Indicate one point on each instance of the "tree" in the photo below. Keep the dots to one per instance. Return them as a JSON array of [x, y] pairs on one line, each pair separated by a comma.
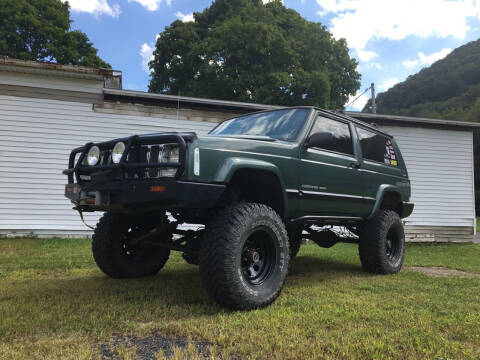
[[447, 89], [39, 30], [244, 50]]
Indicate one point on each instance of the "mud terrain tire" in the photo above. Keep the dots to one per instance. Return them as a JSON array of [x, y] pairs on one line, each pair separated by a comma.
[[382, 243], [244, 256], [114, 257]]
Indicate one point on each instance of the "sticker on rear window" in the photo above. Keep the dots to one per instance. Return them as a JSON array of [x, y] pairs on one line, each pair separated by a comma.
[[389, 156]]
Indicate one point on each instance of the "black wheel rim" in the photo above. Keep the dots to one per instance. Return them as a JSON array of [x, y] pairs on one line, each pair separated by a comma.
[[258, 257], [392, 244]]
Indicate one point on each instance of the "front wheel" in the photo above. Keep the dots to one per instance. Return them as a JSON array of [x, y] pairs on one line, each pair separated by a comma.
[[114, 254], [382, 243], [244, 256], [294, 240]]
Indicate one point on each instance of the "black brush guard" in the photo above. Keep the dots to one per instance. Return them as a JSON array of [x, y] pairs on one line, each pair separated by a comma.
[[134, 145], [134, 183]]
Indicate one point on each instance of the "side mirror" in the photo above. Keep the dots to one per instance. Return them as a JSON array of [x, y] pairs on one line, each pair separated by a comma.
[[321, 140]]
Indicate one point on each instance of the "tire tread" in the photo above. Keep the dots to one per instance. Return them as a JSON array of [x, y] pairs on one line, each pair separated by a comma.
[[372, 253], [218, 243]]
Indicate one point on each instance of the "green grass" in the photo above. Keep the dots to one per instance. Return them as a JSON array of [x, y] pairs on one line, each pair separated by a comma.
[[55, 303]]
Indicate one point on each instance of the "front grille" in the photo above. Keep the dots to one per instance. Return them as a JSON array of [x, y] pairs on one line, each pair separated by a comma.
[[147, 154]]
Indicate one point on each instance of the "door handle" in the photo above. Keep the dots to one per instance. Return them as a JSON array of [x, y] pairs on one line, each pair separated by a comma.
[[355, 165]]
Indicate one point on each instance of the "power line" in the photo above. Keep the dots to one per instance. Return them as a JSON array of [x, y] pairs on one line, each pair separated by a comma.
[[353, 101]]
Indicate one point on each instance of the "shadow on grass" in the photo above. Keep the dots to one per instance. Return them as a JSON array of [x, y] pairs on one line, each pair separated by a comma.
[[179, 287], [96, 303], [307, 265], [91, 293]]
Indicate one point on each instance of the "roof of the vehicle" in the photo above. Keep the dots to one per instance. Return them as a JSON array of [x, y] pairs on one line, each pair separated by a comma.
[[327, 113], [352, 119]]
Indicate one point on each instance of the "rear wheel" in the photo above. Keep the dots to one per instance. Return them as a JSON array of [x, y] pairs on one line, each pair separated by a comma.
[[114, 254], [382, 243], [244, 256]]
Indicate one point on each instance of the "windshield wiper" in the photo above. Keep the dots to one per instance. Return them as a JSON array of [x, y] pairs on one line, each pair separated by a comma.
[[249, 137]]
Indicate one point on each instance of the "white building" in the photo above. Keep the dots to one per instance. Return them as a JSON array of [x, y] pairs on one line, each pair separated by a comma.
[[46, 110]]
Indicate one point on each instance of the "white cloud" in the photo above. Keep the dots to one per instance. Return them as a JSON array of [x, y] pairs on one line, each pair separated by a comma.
[[95, 7], [267, 1], [184, 17], [146, 52], [366, 55], [369, 65], [427, 59], [376, 65], [360, 21], [387, 84], [151, 5]]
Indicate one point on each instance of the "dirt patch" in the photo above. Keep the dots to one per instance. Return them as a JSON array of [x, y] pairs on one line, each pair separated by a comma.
[[442, 272], [148, 347]]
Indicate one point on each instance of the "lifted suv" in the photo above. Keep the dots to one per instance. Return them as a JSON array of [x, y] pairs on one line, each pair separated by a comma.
[[259, 184]]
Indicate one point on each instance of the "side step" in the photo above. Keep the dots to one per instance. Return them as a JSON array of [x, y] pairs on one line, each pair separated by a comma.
[[327, 220]]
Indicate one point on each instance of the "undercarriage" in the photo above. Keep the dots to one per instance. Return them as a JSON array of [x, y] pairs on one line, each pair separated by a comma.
[[169, 234]]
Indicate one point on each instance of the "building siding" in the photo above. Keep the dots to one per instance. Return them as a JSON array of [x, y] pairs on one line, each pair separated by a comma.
[[37, 135], [439, 164]]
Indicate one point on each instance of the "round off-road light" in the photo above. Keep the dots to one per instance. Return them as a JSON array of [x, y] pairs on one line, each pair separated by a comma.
[[117, 152], [93, 155]]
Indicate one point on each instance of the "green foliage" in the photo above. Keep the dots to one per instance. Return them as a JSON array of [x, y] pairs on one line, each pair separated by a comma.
[[449, 89], [40, 30], [244, 50]]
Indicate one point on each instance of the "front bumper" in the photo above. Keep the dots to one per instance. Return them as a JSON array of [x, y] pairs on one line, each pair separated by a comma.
[[145, 194]]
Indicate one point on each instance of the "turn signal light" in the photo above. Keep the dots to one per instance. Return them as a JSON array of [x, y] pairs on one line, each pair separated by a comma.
[[157, 188]]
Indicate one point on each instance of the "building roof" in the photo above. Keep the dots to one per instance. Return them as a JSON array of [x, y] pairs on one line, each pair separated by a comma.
[[113, 83], [111, 78], [173, 100], [142, 96], [407, 120]]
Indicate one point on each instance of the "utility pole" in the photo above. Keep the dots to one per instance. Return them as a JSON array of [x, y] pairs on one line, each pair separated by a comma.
[[374, 106]]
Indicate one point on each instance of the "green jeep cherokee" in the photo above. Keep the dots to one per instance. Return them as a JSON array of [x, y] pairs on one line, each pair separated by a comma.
[[258, 184]]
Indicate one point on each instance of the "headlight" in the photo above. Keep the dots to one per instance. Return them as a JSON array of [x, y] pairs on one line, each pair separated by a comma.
[[93, 155], [169, 154], [117, 152]]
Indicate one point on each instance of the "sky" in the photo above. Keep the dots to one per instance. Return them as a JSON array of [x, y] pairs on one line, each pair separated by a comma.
[[391, 39]]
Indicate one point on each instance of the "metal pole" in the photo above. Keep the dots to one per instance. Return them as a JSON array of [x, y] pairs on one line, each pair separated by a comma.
[[374, 106]]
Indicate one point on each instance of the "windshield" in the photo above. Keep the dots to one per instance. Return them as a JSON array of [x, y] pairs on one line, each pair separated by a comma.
[[280, 124]]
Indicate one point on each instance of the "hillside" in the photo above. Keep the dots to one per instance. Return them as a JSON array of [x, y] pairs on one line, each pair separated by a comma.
[[448, 89]]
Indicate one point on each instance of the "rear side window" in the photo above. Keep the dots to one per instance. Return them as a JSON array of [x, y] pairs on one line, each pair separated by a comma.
[[377, 147], [340, 131]]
